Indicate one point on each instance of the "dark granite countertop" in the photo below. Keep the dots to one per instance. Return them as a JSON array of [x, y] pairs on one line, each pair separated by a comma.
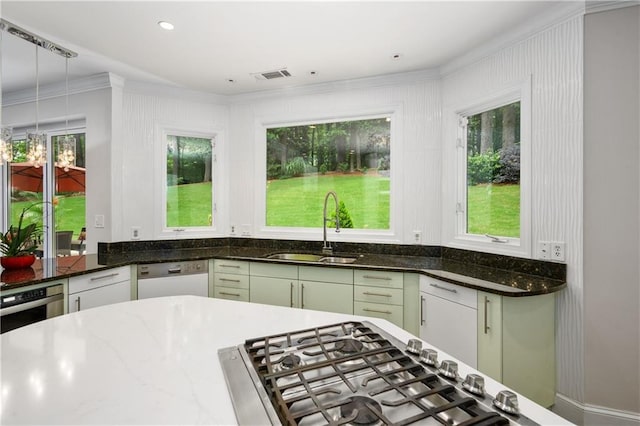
[[495, 274]]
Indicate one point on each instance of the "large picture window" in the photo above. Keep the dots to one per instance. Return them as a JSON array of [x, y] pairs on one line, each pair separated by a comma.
[[351, 158], [189, 178]]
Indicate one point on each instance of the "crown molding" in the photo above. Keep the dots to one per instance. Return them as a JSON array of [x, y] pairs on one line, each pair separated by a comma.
[[80, 85], [155, 89], [561, 11], [603, 6], [341, 85]]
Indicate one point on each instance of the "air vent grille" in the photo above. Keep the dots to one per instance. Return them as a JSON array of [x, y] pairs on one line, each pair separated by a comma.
[[271, 75]]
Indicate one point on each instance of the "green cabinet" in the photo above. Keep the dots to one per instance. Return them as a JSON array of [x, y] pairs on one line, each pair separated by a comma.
[[231, 279], [307, 287]]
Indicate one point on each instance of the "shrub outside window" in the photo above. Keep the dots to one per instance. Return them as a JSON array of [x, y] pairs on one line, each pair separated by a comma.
[[352, 158]]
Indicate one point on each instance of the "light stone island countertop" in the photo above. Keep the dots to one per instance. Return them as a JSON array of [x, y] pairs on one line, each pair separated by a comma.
[[151, 361]]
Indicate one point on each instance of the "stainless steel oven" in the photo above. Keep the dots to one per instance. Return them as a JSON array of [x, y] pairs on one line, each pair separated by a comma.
[[30, 306]]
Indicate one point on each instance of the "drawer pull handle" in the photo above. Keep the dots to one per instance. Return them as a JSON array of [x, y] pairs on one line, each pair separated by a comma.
[[452, 290], [377, 311], [486, 308], [224, 293], [78, 303], [422, 300], [301, 295], [291, 296], [230, 266], [368, 293], [115, 274], [229, 280], [376, 277]]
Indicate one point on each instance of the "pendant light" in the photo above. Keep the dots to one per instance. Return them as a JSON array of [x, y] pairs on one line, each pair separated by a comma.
[[6, 145], [67, 143], [36, 140]]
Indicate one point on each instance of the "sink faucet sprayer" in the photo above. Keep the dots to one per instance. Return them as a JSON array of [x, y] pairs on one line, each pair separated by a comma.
[[326, 247]]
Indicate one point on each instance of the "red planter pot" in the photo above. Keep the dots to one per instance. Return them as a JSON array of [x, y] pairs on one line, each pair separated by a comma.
[[17, 262]]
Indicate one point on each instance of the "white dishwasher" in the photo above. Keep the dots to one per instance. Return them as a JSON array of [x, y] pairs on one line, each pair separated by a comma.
[[173, 279]]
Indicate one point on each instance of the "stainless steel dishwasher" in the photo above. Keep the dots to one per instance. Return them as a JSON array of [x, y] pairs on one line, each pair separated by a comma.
[[173, 279]]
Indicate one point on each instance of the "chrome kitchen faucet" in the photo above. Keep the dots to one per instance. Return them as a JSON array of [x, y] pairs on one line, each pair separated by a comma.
[[326, 247]]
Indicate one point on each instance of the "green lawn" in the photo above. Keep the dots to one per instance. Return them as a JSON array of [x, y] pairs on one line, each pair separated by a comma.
[[298, 202], [494, 209], [70, 213], [189, 205]]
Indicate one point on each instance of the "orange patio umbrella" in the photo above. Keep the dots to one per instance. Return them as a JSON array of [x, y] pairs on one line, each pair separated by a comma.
[[25, 177]]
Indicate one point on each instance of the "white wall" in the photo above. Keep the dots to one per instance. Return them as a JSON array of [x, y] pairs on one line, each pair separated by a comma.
[[612, 210], [145, 111], [553, 60]]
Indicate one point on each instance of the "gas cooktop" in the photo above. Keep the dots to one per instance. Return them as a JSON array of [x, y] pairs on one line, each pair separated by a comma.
[[355, 373]]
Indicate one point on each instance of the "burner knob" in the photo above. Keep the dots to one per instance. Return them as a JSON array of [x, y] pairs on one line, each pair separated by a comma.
[[448, 369], [429, 357], [474, 383], [507, 401], [414, 346]]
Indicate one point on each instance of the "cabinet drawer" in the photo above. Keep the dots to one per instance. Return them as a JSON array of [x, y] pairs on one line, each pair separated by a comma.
[[378, 278], [386, 296], [232, 293], [231, 280], [99, 279], [272, 270], [231, 266], [326, 275], [391, 313], [454, 293]]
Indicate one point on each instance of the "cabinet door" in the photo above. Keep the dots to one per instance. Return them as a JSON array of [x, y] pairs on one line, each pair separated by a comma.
[[115, 293], [490, 335], [327, 297], [450, 327], [274, 291]]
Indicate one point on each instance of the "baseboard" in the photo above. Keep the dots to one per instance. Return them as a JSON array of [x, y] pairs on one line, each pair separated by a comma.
[[593, 415]]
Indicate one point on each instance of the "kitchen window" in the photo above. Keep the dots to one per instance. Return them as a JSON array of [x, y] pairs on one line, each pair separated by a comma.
[[493, 156], [189, 195], [350, 157]]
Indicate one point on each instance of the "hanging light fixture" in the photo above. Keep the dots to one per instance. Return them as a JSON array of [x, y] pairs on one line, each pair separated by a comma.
[[6, 145], [67, 143], [36, 140]]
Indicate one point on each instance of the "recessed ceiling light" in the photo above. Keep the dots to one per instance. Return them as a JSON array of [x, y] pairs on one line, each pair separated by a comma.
[[230, 80], [313, 73], [166, 25], [396, 56]]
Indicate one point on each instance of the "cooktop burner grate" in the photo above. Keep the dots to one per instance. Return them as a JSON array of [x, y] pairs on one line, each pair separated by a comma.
[[349, 373]]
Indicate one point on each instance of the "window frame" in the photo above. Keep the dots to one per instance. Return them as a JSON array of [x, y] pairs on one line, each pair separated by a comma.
[[459, 237], [162, 230], [394, 112]]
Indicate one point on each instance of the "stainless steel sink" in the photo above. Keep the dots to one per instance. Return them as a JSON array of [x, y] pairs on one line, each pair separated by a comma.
[[336, 259], [305, 257], [299, 257]]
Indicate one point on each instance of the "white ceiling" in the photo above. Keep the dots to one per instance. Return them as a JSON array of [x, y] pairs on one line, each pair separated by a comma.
[[216, 41]]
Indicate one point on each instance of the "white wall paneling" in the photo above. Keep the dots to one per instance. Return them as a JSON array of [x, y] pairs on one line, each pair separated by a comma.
[[553, 60]]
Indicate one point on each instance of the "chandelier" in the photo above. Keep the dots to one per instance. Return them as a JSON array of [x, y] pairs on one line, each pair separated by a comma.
[[67, 143], [36, 140], [6, 146]]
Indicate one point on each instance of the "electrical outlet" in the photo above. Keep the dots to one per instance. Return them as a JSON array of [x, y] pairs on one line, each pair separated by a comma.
[[557, 251], [98, 221], [233, 230], [417, 237], [543, 250], [245, 230], [135, 232]]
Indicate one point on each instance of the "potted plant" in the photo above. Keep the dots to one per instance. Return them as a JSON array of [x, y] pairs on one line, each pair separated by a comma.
[[18, 244]]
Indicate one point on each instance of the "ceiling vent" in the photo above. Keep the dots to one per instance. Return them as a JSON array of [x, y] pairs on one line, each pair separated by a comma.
[[272, 75]]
